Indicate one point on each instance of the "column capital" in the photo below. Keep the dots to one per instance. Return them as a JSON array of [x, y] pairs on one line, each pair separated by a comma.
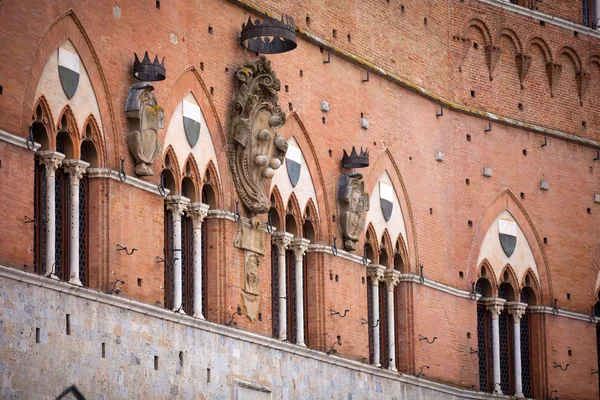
[[282, 240], [299, 246], [494, 306], [198, 212], [391, 278], [75, 168], [177, 204], [375, 272], [51, 160], [516, 309]]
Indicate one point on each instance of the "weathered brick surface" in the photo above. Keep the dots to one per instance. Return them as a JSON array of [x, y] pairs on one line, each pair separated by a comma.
[[403, 137]]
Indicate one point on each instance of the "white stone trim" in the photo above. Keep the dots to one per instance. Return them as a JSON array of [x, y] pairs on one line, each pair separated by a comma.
[[561, 313], [17, 140], [131, 180], [230, 216], [563, 23], [437, 286], [167, 315], [323, 248]]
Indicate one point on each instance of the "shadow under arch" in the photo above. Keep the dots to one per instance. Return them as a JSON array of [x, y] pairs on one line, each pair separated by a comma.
[[506, 201], [69, 27]]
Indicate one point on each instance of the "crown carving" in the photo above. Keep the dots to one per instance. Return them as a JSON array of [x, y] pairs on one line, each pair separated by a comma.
[[148, 71], [270, 36], [355, 160]]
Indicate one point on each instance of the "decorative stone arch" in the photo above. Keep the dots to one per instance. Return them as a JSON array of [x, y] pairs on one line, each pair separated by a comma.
[[513, 280], [514, 38], [373, 242], [174, 168], [541, 44], [211, 176], [191, 170], [481, 26], [190, 81], [506, 201], [71, 128], [68, 27], [43, 115], [276, 198], [296, 129], [96, 138], [386, 244], [484, 266], [571, 55], [400, 250], [534, 284], [386, 163], [592, 59], [311, 214], [295, 212]]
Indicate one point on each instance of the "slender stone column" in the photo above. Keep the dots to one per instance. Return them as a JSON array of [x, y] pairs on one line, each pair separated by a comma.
[[51, 160], [517, 310], [391, 280], [282, 240], [177, 205], [495, 307], [75, 168], [198, 212], [375, 274], [299, 246]]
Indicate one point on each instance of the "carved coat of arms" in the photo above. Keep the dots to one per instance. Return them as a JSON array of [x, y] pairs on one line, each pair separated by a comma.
[[255, 148], [353, 203]]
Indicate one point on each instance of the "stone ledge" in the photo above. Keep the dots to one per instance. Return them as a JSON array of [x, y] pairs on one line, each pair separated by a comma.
[[17, 140], [130, 180]]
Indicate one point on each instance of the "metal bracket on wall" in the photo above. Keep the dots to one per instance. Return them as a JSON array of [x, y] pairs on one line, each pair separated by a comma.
[[441, 113], [30, 142], [333, 312], [368, 77], [237, 312], [161, 185], [332, 350], [555, 307], [328, 58], [28, 220], [121, 248], [269, 223], [334, 249], [365, 322], [421, 277], [557, 365], [421, 337], [473, 294], [473, 351], [545, 142], [597, 156], [421, 371], [489, 128], [122, 175], [236, 216]]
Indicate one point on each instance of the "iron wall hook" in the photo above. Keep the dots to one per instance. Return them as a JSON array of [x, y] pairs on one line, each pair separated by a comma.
[[122, 175], [236, 216], [368, 77], [161, 185], [332, 350], [421, 337], [557, 365], [328, 58], [366, 322], [365, 260], [441, 113], [555, 307], [269, 223], [115, 289], [421, 371], [473, 294], [237, 312], [30, 142], [473, 351], [545, 142], [28, 220], [334, 248], [333, 312], [422, 277], [597, 156], [121, 248], [489, 128]]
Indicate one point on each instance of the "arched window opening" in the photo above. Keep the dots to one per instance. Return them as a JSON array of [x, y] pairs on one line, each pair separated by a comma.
[[483, 288], [187, 267], [383, 323], [291, 295], [169, 182], [188, 189], [308, 232], [64, 144], [383, 257], [89, 153], [290, 224], [39, 255], [208, 196], [398, 263], [62, 204]]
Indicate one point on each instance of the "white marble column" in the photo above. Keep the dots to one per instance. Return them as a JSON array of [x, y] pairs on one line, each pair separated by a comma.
[[517, 310], [177, 205], [391, 280], [595, 14], [375, 275], [495, 307], [299, 246], [198, 212], [51, 160], [75, 168], [282, 240]]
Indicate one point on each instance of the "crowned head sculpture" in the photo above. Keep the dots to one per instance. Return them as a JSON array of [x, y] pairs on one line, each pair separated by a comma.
[[255, 148], [270, 36]]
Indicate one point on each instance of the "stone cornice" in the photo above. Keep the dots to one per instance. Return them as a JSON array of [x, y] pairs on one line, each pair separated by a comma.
[[17, 140], [167, 315], [540, 16], [323, 248], [370, 66], [131, 180], [230, 216]]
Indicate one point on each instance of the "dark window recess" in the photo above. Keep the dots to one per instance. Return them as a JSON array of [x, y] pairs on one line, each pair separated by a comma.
[[526, 352], [305, 298], [158, 4], [484, 343], [383, 326], [187, 268], [61, 260], [597, 346], [506, 354], [370, 319], [1, 89], [291, 296], [83, 236], [204, 239], [275, 287], [39, 242], [168, 256], [588, 13]]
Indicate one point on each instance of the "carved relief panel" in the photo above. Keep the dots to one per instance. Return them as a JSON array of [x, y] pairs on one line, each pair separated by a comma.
[[353, 203]]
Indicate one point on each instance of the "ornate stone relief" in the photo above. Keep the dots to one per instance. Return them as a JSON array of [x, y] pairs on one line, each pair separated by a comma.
[[250, 295], [145, 118], [353, 203], [255, 148]]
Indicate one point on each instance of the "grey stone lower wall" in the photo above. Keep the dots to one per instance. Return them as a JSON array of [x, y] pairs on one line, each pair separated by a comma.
[[195, 359]]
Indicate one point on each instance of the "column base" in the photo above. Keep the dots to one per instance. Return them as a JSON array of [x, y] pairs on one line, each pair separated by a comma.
[[75, 282], [377, 365], [519, 395], [52, 275], [301, 344], [392, 369], [199, 316], [179, 311]]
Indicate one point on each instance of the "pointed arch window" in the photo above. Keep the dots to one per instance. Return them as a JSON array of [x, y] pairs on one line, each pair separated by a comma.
[[507, 383]]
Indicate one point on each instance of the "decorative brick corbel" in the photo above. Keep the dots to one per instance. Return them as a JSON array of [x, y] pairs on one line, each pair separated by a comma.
[[583, 82], [492, 55], [523, 63], [553, 70]]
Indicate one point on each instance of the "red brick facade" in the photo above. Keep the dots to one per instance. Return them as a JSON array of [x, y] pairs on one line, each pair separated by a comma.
[[446, 50]]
